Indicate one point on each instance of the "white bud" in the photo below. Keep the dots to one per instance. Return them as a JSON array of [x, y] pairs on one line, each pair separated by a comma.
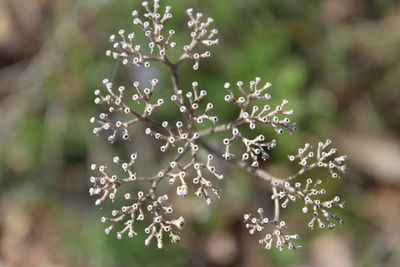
[[182, 190]]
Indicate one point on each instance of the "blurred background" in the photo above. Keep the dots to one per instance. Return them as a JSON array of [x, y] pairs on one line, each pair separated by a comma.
[[336, 61]]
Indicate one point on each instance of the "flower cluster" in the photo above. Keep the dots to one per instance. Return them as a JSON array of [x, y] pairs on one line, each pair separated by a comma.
[[131, 53], [152, 24], [199, 34], [106, 186], [310, 193], [116, 102], [253, 114], [323, 159], [276, 237], [189, 171]]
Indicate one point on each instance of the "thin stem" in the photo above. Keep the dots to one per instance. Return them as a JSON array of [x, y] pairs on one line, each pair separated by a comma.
[[221, 128], [175, 82], [256, 172], [156, 179], [276, 204]]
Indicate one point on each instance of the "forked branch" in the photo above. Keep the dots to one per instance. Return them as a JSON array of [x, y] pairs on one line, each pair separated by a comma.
[[188, 171]]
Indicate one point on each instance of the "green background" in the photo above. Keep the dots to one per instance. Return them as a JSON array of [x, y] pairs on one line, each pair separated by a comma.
[[336, 61]]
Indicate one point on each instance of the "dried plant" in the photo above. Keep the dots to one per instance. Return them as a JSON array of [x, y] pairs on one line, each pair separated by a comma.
[[188, 171]]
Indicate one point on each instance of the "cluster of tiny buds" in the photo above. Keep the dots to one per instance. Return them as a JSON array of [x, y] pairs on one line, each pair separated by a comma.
[[320, 209], [181, 138], [277, 237], [200, 35], [252, 114], [194, 97], [310, 193], [116, 102], [255, 147], [106, 185], [183, 171], [157, 207], [153, 26], [179, 135], [320, 158], [204, 185]]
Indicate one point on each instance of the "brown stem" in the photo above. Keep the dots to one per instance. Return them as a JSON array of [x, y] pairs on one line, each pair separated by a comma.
[[175, 82], [221, 128], [256, 172], [178, 157], [147, 119], [276, 204]]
